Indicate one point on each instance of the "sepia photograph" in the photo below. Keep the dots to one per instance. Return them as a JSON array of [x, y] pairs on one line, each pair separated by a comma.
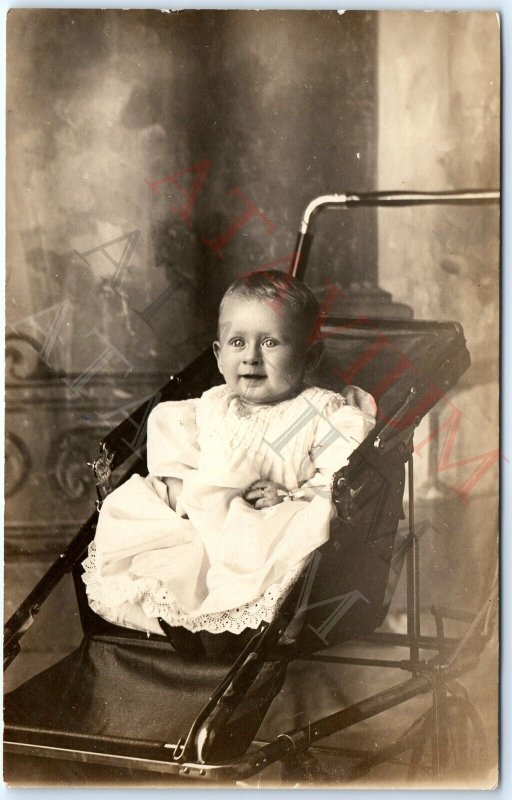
[[252, 385]]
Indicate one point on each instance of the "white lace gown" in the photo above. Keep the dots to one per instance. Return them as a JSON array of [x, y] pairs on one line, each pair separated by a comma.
[[216, 563]]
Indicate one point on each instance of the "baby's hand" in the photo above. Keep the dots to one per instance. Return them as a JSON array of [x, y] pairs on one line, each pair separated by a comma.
[[358, 398], [263, 494]]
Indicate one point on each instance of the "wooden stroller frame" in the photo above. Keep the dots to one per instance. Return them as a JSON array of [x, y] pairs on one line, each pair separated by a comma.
[[452, 657]]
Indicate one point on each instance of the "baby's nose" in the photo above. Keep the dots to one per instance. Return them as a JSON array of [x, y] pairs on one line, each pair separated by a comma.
[[252, 354]]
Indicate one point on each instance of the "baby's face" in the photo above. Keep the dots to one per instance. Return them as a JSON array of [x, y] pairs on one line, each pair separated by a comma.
[[261, 351]]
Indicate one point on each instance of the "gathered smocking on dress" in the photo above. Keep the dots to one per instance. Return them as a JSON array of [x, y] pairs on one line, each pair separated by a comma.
[[216, 563]]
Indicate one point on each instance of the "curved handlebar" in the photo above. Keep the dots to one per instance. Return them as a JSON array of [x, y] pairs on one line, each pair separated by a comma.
[[372, 199]]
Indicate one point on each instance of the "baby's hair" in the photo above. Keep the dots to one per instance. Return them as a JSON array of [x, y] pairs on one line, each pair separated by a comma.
[[283, 291]]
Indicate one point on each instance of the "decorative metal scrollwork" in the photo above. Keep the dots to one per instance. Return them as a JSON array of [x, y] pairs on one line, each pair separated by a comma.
[[17, 463], [69, 454], [23, 361], [343, 495], [102, 468]]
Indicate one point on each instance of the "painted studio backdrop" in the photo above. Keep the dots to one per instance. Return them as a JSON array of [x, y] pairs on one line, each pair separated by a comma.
[[152, 157]]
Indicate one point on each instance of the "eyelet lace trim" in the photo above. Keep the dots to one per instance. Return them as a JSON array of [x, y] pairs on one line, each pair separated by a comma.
[[108, 593]]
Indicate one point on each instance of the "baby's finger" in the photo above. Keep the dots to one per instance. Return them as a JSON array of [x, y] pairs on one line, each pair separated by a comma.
[[263, 502], [253, 494], [261, 484]]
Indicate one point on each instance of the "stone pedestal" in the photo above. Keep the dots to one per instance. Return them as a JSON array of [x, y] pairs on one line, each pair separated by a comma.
[[367, 300]]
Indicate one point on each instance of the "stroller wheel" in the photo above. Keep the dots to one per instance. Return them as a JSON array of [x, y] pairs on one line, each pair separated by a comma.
[[451, 745], [302, 769]]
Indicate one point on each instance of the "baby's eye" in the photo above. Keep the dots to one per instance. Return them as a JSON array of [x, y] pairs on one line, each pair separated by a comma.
[[270, 342], [237, 342]]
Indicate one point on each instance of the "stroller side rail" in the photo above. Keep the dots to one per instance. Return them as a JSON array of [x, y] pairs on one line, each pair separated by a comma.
[[130, 435], [23, 618]]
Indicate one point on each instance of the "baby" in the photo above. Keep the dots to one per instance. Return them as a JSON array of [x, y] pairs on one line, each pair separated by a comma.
[[238, 491]]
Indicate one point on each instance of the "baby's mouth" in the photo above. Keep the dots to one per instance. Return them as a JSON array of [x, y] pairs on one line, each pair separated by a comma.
[[252, 377]]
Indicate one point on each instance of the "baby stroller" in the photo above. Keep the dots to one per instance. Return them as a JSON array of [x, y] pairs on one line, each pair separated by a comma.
[[127, 703]]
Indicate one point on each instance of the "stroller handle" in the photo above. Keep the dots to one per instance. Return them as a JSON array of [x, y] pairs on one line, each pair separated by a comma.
[[370, 199]]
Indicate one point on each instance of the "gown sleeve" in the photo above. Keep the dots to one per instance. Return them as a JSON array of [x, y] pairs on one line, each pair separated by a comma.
[[172, 448], [340, 430]]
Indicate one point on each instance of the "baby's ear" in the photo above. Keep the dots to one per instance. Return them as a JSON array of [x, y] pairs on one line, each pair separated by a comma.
[[216, 350], [314, 355]]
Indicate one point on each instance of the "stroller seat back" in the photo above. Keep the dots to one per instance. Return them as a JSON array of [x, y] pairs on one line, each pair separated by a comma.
[[407, 367]]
